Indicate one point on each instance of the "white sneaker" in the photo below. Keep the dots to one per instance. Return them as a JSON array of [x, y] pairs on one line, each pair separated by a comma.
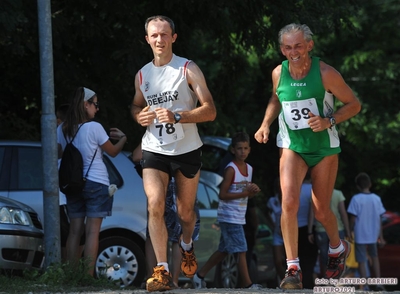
[[255, 287], [198, 283]]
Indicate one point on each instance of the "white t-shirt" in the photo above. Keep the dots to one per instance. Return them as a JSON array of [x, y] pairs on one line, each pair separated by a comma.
[[89, 139], [368, 209]]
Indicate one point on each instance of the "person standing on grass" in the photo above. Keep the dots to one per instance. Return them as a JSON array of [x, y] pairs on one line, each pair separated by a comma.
[[61, 114], [87, 209]]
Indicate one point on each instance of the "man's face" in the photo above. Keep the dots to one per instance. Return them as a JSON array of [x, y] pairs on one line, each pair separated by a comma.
[[295, 47], [159, 36]]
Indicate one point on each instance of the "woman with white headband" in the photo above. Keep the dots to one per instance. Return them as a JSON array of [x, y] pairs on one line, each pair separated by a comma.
[[87, 209]]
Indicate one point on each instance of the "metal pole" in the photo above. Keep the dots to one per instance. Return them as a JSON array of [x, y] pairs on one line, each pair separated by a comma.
[[51, 206]]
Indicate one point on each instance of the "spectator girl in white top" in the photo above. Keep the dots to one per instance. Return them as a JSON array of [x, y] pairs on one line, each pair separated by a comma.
[[94, 203]]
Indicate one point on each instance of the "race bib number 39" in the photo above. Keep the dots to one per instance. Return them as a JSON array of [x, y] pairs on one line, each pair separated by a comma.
[[296, 113], [166, 133]]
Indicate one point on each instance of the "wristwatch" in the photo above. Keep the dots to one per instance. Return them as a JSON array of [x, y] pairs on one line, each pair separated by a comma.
[[177, 117], [332, 120]]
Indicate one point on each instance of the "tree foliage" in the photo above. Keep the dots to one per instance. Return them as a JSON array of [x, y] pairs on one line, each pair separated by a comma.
[[101, 45]]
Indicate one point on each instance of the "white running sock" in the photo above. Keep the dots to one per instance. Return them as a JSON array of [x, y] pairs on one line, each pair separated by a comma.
[[165, 264], [338, 249], [291, 262], [186, 247]]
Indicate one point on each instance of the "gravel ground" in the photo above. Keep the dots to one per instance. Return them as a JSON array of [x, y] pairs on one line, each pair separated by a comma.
[[231, 291]]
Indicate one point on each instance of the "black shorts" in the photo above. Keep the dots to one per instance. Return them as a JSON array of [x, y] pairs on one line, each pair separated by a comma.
[[189, 163]]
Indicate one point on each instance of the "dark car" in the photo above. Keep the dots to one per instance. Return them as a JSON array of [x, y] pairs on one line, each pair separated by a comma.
[[21, 237], [389, 255]]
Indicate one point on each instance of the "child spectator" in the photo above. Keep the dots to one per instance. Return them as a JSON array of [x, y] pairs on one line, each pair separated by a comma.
[[366, 211], [86, 210], [235, 190], [61, 114]]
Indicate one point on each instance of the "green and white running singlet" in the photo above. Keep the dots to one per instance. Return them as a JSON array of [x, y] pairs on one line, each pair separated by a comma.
[[298, 98]]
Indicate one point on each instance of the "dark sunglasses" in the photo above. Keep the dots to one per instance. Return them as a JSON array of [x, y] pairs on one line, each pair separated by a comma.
[[96, 104]]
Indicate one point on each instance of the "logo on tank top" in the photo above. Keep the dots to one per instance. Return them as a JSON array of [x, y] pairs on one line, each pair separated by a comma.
[[298, 93], [146, 86], [163, 97], [298, 84]]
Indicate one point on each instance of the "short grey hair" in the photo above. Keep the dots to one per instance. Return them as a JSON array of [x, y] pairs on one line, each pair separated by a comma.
[[294, 28]]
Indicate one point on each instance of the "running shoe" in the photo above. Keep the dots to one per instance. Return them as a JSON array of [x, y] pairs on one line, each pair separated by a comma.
[[255, 287], [293, 278], [198, 283], [188, 262], [337, 262], [379, 288], [161, 280]]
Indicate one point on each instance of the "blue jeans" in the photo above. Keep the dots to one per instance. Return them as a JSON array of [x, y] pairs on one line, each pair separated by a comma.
[[93, 202], [232, 238]]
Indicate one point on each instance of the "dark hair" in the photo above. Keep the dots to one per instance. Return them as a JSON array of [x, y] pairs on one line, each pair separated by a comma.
[[76, 113], [162, 18], [62, 111], [363, 181], [240, 137]]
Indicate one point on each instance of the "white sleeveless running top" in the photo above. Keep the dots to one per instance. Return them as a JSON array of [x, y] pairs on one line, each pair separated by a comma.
[[166, 86]]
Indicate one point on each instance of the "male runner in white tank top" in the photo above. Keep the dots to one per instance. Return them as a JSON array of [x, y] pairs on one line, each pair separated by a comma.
[[168, 90]]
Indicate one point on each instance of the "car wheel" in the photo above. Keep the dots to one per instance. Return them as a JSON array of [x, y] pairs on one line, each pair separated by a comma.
[[120, 260], [227, 272]]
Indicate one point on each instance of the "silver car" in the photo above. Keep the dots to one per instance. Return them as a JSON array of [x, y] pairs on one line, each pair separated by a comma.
[[121, 246], [21, 237]]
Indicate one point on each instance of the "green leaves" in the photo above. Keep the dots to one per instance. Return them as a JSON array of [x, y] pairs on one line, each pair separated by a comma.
[[100, 44]]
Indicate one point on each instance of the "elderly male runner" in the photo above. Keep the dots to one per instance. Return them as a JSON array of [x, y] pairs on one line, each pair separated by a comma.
[[303, 94]]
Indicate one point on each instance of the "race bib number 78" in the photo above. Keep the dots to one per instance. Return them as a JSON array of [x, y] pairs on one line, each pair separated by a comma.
[[297, 113], [166, 133]]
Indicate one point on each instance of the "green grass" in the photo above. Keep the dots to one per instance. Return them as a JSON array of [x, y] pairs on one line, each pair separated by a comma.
[[56, 278]]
